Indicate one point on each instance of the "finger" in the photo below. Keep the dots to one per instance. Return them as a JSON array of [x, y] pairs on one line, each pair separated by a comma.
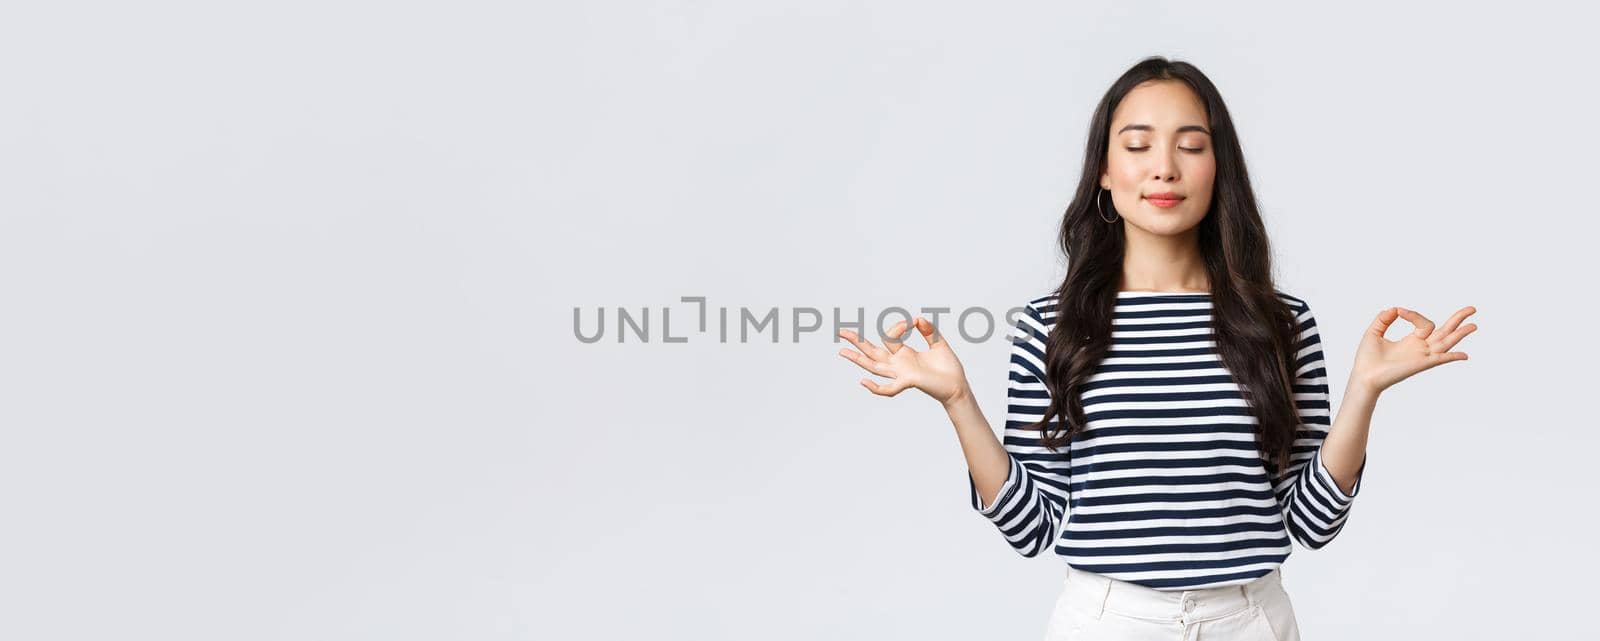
[[1424, 326], [888, 389], [1454, 337], [896, 337], [1455, 320], [866, 347], [1435, 360], [876, 367], [897, 333], [929, 332], [1380, 325]]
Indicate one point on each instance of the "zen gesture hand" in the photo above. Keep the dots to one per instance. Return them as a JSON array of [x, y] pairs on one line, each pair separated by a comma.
[[936, 371], [1381, 362]]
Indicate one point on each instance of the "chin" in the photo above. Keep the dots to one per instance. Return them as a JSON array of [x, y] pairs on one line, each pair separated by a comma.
[[1173, 225]]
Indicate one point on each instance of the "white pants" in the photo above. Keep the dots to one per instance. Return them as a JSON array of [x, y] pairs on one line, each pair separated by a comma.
[[1093, 606]]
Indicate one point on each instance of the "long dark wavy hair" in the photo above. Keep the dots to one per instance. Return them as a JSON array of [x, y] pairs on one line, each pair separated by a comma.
[[1254, 329]]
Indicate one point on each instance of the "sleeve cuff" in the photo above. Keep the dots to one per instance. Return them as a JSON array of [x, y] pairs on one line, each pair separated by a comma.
[[1325, 479], [1007, 489]]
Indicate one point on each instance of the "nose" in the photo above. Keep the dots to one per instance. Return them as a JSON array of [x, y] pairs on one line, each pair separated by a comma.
[[1166, 169]]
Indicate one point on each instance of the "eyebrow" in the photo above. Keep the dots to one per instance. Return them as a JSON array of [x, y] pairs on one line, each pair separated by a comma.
[[1180, 129]]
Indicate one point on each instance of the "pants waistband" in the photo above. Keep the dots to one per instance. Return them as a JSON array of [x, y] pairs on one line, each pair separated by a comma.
[[1097, 593]]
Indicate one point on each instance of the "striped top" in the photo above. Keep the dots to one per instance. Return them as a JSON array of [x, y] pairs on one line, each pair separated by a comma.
[[1166, 486]]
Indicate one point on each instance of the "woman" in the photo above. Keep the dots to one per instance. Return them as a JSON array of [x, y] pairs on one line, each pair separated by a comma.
[[1168, 425]]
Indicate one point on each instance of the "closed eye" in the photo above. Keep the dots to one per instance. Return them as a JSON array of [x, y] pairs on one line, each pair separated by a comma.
[[1138, 149]]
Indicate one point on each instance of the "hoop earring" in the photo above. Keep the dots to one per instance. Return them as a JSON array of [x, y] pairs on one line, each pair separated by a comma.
[[1102, 210]]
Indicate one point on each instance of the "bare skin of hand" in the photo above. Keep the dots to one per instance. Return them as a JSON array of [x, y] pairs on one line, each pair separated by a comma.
[[936, 371], [1380, 362]]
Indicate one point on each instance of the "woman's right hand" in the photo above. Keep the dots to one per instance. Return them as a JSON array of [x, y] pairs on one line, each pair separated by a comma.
[[937, 371]]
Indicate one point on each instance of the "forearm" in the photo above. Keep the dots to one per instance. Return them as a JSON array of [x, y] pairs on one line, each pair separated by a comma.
[[1345, 447], [987, 460]]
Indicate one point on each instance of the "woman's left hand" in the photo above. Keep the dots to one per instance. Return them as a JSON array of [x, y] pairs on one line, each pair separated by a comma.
[[1381, 362]]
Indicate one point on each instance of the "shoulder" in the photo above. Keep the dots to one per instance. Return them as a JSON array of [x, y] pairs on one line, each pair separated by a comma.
[[1042, 303], [1298, 305], [1034, 322], [1305, 322], [1030, 336], [1041, 309]]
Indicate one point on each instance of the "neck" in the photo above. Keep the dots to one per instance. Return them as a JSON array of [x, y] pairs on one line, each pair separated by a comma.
[[1153, 262]]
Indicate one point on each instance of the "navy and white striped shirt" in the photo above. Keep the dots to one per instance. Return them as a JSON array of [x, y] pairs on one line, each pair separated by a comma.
[[1166, 485]]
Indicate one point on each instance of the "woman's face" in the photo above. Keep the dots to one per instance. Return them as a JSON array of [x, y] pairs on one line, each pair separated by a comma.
[[1160, 143]]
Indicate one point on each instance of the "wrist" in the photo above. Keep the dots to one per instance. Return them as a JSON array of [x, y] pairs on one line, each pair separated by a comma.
[[1361, 389], [963, 396]]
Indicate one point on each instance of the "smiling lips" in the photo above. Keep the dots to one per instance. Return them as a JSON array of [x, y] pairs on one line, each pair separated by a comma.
[[1164, 199]]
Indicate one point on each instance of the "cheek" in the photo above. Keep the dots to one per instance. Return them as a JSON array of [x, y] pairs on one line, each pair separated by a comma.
[[1203, 174], [1125, 171]]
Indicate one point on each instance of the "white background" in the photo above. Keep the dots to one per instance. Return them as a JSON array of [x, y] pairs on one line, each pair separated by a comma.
[[286, 349]]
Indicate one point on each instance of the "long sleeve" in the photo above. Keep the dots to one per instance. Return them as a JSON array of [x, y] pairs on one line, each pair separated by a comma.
[[1032, 503], [1317, 508]]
